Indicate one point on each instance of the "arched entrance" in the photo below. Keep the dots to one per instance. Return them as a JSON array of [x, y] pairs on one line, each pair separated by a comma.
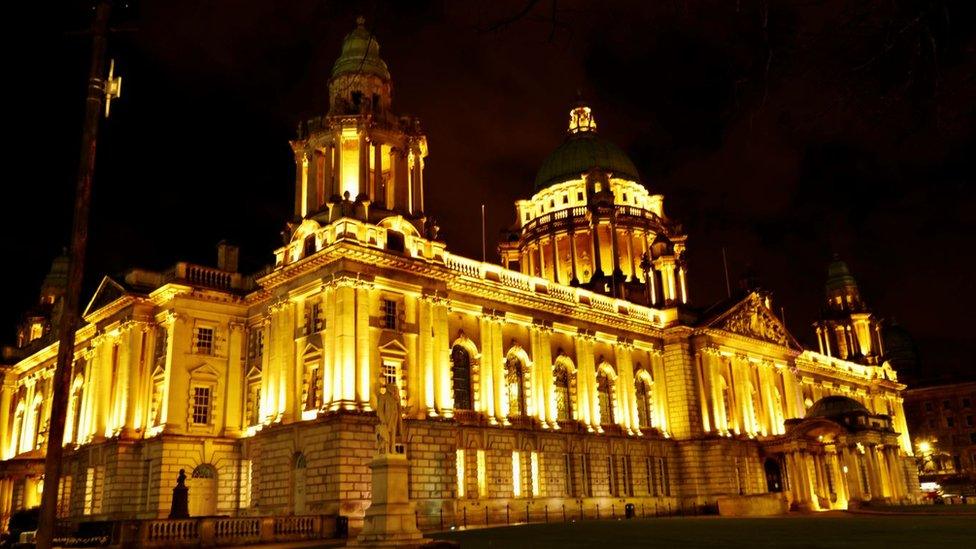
[[774, 475], [203, 491], [299, 465]]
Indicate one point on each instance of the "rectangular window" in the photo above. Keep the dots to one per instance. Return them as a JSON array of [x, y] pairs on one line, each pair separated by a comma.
[[391, 375], [950, 422], [459, 465], [585, 470], [389, 312], [969, 421], [628, 477], [928, 406], [203, 341], [612, 475], [201, 405], [534, 465], [664, 477], [946, 404], [967, 403], [651, 478], [89, 491], [570, 484], [516, 474], [482, 474]]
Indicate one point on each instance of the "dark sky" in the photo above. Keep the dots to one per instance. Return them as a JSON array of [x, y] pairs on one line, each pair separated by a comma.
[[782, 131]]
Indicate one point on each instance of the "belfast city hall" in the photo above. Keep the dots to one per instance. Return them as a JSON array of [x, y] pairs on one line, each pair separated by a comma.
[[574, 374]]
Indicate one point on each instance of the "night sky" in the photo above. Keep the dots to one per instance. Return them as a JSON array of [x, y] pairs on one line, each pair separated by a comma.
[[782, 131]]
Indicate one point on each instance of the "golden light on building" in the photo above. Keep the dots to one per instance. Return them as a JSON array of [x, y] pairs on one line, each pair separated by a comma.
[[573, 371]]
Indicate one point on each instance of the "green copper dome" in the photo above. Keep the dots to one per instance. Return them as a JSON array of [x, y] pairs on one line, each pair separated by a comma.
[[839, 276], [582, 150], [360, 54]]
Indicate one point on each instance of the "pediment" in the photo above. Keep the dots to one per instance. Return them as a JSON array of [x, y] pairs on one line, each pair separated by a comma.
[[108, 291], [390, 344], [204, 371], [751, 318]]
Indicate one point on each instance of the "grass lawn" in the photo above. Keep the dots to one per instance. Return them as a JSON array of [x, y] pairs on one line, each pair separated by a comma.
[[806, 531]]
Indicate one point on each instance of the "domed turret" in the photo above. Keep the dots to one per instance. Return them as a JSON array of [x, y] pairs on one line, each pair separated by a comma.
[[841, 288], [847, 328], [360, 81]]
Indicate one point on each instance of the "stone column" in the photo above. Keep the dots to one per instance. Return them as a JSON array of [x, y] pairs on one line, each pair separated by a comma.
[[584, 366], [425, 323], [572, 254], [7, 391], [498, 367], [630, 254], [336, 169], [363, 166], [486, 370], [345, 329], [444, 396], [595, 245], [364, 350], [326, 183], [555, 257]]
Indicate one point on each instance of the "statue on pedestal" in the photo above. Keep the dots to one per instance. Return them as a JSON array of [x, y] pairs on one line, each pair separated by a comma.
[[180, 508], [390, 428], [389, 520]]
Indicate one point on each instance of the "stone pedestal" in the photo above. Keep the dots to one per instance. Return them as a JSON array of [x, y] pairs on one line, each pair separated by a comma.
[[180, 508], [390, 519]]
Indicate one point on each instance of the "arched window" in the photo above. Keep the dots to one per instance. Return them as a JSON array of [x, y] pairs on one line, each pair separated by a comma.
[[37, 426], [515, 379], [204, 471], [604, 386], [74, 409], [564, 404], [645, 404], [203, 490], [461, 375]]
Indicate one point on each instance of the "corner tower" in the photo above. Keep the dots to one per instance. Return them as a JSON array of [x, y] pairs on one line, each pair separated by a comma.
[[847, 328], [359, 160], [592, 223]]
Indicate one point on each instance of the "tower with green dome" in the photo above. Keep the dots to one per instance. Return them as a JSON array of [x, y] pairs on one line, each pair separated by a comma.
[[360, 160], [847, 328]]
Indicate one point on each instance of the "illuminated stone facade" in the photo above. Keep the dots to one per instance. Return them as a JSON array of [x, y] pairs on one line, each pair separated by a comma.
[[575, 374]]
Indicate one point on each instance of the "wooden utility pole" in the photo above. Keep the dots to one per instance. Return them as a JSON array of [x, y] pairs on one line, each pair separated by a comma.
[[79, 238]]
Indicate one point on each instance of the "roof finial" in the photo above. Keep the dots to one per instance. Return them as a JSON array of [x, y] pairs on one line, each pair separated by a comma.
[[581, 118]]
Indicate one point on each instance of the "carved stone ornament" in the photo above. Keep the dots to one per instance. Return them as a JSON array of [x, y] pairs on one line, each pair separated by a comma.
[[754, 320]]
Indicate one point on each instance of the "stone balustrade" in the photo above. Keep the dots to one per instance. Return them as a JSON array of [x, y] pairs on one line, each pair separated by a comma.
[[224, 531]]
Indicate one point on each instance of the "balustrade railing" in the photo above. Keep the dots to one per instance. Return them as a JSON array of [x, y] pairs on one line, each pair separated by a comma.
[[172, 531], [226, 531], [523, 282]]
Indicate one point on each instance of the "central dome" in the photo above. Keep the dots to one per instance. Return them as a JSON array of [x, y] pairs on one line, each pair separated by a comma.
[[583, 150]]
